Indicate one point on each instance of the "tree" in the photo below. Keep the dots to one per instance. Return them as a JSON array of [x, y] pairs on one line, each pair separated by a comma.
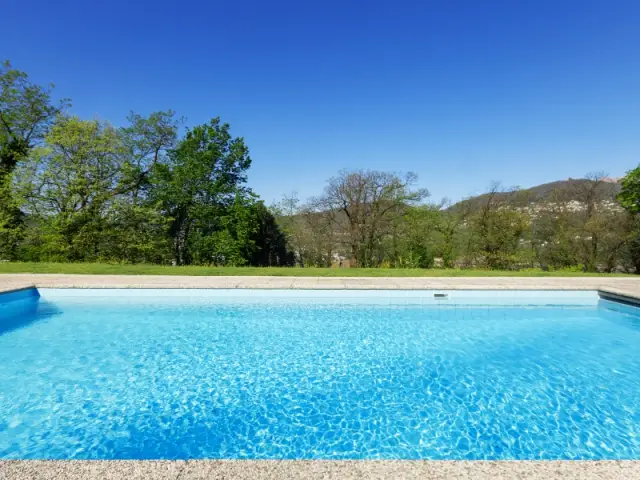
[[11, 220], [231, 240], [448, 224], [309, 232], [286, 213], [553, 228], [137, 226], [588, 238], [147, 141], [320, 240], [270, 242], [205, 176], [134, 233], [363, 203], [629, 198], [412, 242], [497, 230], [614, 230], [26, 114], [69, 183]]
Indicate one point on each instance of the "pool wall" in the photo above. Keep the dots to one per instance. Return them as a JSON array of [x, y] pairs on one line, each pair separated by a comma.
[[18, 294], [324, 296], [449, 297]]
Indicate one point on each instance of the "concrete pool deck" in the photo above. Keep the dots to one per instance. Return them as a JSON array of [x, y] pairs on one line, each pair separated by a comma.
[[628, 288], [312, 469], [623, 285]]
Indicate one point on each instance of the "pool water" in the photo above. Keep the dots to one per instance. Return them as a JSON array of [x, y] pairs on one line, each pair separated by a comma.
[[163, 375]]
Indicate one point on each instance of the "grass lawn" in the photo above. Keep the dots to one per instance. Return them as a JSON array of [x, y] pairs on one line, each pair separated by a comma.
[[115, 269]]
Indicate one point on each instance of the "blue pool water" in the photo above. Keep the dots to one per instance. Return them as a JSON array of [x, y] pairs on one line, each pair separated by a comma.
[[166, 375]]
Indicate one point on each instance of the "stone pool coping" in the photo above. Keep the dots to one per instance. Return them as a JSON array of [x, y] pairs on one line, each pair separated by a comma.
[[621, 288], [629, 285], [306, 469]]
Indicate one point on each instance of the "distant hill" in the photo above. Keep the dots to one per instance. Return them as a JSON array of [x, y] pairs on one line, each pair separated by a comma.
[[571, 190]]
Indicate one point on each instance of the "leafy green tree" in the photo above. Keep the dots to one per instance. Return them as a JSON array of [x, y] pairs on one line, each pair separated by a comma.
[[11, 220], [137, 227], [69, 184], [589, 221], [629, 199], [629, 196], [146, 142], [205, 175], [497, 232], [247, 234], [26, 114], [449, 224], [231, 243], [135, 233], [412, 243], [270, 242]]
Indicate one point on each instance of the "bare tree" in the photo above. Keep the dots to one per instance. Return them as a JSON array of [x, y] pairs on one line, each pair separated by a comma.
[[362, 205], [590, 192], [591, 231], [310, 232], [321, 239], [552, 228]]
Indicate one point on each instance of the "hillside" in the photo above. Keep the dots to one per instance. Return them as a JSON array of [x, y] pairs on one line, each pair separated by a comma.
[[571, 190]]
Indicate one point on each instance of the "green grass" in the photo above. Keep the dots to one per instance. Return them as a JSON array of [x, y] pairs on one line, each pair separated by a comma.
[[116, 269]]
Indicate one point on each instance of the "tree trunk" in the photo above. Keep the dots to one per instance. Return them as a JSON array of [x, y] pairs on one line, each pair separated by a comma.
[[354, 255]]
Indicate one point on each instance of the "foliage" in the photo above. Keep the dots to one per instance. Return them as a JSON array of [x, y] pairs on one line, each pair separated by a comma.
[[69, 185], [11, 220], [269, 242], [85, 191], [449, 227], [75, 190], [26, 113], [629, 196], [497, 233], [412, 243], [364, 203], [200, 189]]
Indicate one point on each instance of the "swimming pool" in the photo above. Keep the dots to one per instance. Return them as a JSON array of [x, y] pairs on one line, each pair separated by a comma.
[[286, 374]]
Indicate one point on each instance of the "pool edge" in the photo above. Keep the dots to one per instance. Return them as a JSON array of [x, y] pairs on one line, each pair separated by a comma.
[[626, 284], [303, 469], [620, 296], [7, 289]]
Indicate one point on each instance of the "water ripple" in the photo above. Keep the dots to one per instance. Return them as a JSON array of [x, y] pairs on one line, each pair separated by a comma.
[[270, 380]]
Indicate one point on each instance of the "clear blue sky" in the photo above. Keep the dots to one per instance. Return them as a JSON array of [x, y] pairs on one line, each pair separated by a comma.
[[463, 92]]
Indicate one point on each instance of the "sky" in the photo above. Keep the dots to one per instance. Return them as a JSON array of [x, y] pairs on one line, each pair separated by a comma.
[[461, 92]]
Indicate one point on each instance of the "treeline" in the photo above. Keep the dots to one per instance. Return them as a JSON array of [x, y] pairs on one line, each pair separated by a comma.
[[74, 190], [373, 219]]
